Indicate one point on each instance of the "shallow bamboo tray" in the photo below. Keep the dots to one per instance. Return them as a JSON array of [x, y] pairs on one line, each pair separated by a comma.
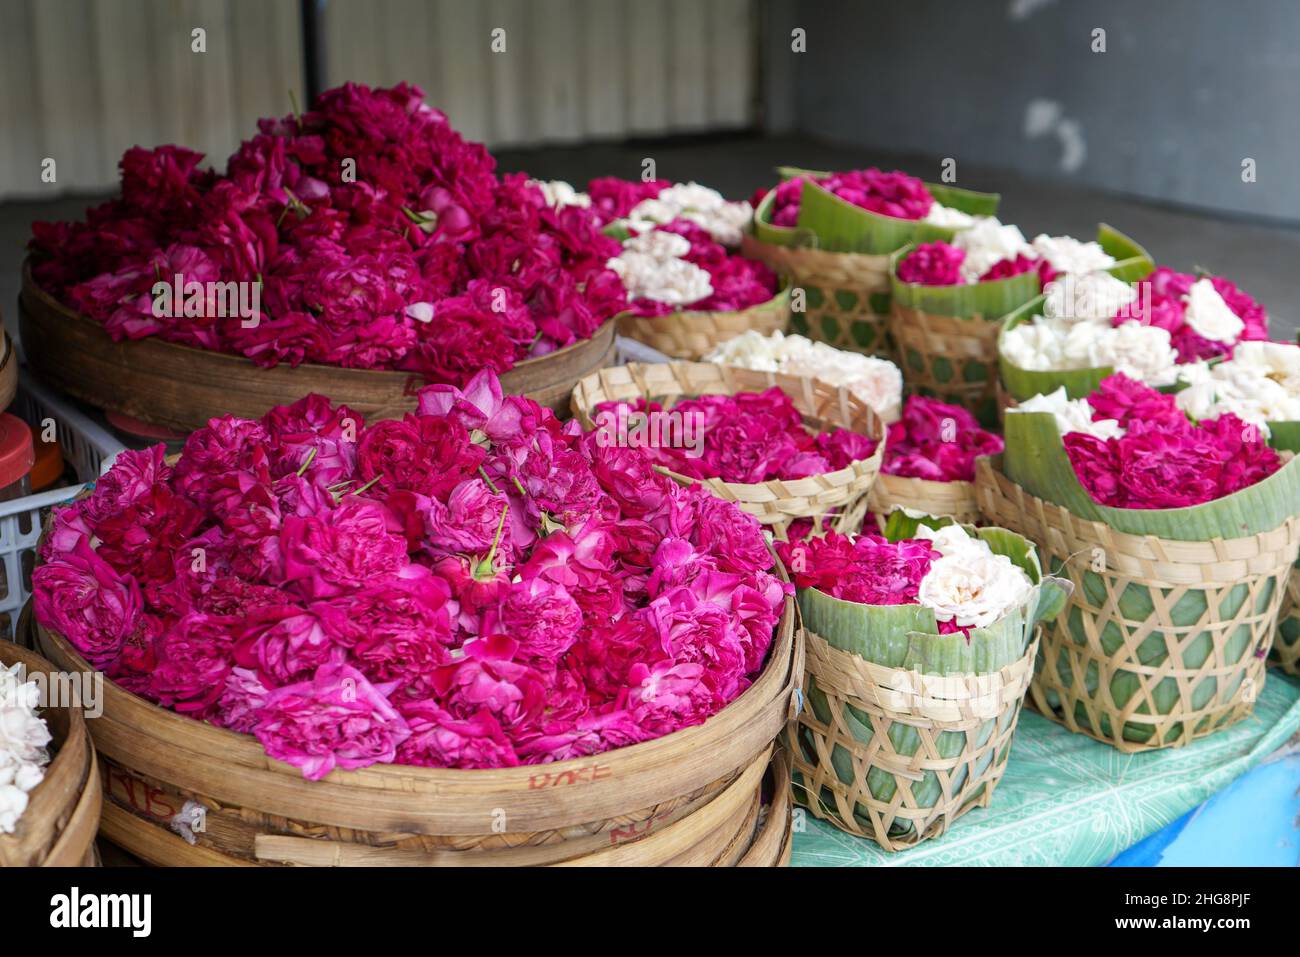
[[180, 387], [256, 810], [58, 828], [691, 335], [776, 502]]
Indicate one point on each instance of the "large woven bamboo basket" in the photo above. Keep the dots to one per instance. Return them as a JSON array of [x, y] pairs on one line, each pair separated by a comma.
[[846, 295], [937, 746], [955, 500], [841, 494], [58, 828], [951, 358], [1286, 649], [1162, 641], [179, 387], [691, 335], [182, 792]]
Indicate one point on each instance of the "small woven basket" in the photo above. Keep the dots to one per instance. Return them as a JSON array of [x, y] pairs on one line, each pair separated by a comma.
[[846, 295], [777, 502], [1286, 649], [1162, 641], [951, 358], [955, 500], [691, 335], [884, 789]]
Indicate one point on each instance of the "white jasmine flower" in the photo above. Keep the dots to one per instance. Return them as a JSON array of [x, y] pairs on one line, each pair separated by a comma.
[[1069, 255], [1259, 384], [669, 280], [658, 244], [559, 194], [1072, 415], [1094, 295], [987, 243], [1209, 316], [969, 584], [1139, 351], [877, 382], [724, 221], [23, 740], [948, 218]]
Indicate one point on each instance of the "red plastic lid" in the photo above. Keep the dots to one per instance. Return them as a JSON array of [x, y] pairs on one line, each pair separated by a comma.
[[17, 452]]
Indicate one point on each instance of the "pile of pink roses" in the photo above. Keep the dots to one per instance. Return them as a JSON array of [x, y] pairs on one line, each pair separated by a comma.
[[746, 438], [936, 441], [939, 264], [889, 194], [476, 585], [1160, 458], [382, 239], [866, 568]]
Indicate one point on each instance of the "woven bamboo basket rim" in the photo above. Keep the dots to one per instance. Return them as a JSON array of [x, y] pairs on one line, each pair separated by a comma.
[[933, 705], [690, 334], [60, 342], [820, 404], [868, 271], [955, 499], [235, 770], [62, 817], [8, 373], [1217, 561]]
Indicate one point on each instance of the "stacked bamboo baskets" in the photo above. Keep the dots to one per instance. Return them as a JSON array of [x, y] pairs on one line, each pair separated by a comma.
[[58, 828], [182, 792]]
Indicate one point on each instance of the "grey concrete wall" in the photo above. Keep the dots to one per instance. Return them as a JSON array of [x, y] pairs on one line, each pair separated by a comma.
[[1184, 92]]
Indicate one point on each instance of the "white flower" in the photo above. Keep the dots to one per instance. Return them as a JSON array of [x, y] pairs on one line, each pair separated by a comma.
[[673, 281], [1094, 295], [23, 738], [658, 244], [969, 584], [877, 382], [1139, 351], [724, 221], [986, 243], [558, 193], [1069, 255], [1072, 415], [948, 218], [1259, 384], [1209, 316]]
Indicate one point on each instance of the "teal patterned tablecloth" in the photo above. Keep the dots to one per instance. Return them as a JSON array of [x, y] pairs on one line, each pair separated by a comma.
[[1069, 800]]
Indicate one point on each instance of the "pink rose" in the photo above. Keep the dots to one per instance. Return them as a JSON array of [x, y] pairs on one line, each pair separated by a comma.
[[81, 597]]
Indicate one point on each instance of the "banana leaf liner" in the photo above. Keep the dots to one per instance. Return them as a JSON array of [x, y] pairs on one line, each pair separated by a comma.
[[1017, 384], [1285, 436], [1173, 612], [691, 335], [835, 499], [838, 254], [955, 500], [904, 729], [946, 336]]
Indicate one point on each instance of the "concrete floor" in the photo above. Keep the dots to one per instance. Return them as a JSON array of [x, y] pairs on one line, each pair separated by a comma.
[[1261, 258]]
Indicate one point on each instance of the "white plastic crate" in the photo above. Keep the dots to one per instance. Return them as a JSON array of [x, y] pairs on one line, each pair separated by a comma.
[[88, 447]]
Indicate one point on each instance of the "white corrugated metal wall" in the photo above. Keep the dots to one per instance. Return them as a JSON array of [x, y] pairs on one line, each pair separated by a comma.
[[82, 80]]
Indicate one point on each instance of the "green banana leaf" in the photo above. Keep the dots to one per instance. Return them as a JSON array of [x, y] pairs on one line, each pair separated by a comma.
[[906, 636], [991, 299], [1133, 265], [828, 222]]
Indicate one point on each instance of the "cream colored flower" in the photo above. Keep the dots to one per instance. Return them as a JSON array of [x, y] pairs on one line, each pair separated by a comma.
[[674, 281], [1259, 384], [1072, 415], [23, 740], [723, 220], [1069, 255], [559, 194], [877, 382], [1209, 316], [969, 584], [947, 217], [1094, 295], [986, 243]]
